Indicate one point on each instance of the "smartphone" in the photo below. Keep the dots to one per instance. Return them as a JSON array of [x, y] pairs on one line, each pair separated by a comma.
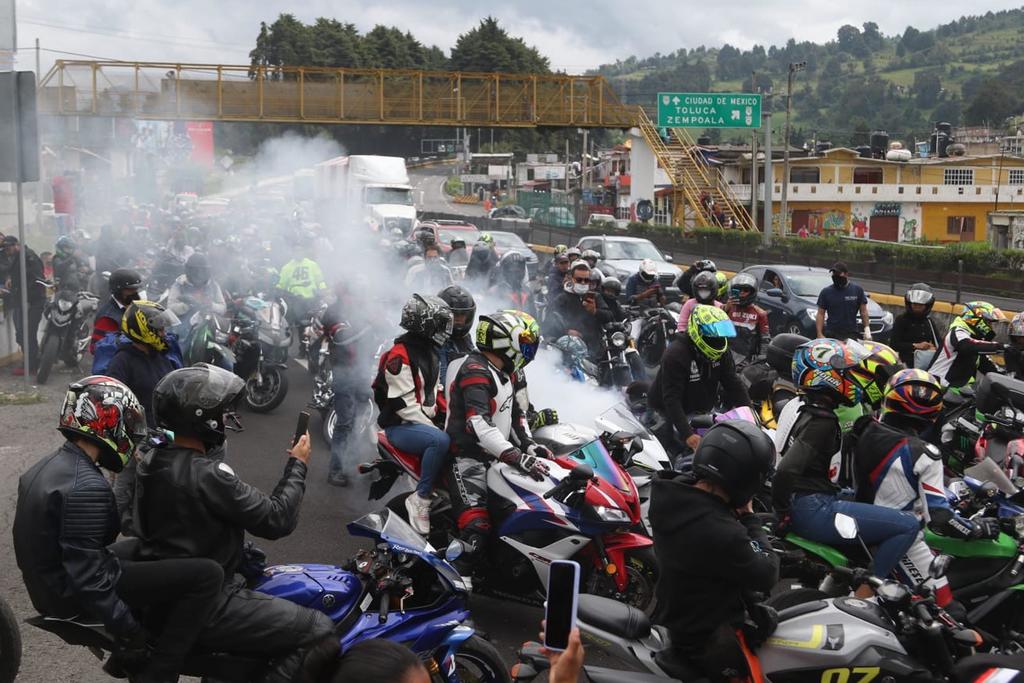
[[560, 606], [301, 427]]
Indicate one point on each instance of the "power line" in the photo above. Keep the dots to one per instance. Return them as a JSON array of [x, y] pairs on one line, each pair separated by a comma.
[[187, 42]]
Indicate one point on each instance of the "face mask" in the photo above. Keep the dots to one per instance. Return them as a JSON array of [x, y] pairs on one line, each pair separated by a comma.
[[578, 287], [839, 280], [703, 294]]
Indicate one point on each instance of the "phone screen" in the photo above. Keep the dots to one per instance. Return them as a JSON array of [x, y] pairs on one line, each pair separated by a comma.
[[300, 427], [560, 610]]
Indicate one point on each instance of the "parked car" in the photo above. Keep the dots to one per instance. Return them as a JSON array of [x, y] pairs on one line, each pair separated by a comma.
[[509, 211], [553, 216], [621, 257], [447, 230], [599, 221], [509, 241], [789, 294]]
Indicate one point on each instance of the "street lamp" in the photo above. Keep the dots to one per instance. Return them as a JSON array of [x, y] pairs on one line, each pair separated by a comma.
[[784, 208]]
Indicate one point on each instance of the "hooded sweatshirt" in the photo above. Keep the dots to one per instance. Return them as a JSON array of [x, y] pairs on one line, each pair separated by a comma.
[[709, 559]]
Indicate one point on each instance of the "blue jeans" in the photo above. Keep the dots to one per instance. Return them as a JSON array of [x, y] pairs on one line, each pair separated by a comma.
[[346, 393], [429, 442], [891, 531]]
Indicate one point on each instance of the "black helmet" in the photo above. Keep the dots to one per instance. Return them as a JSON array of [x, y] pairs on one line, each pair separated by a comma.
[[779, 353], [919, 293], [125, 278], [428, 317], [66, 245], [704, 281], [611, 286], [596, 278], [736, 455], [425, 237], [197, 270], [192, 401], [460, 301], [513, 267]]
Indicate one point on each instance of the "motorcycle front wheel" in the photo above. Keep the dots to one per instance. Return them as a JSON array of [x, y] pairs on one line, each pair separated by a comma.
[[266, 390], [478, 661], [10, 644], [642, 572], [47, 357]]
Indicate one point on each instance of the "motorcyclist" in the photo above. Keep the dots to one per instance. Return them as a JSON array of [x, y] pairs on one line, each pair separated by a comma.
[[458, 257], [751, 321], [643, 288], [705, 293], [1013, 354], [178, 247], [302, 283], [558, 250], [591, 257], [804, 491], [576, 311], [510, 287], [430, 275], [895, 468], [611, 291], [556, 276], [196, 289], [873, 373], [684, 281], [67, 265], [971, 335], [486, 422], [190, 503], [482, 261], [463, 316], [124, 287], [779, 356], [406, 390], [914, 335], [697, 366], [715, 552], [66, 517]]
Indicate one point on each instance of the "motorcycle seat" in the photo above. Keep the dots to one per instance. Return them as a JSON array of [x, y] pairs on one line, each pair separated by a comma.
[[613, 616], [408, 460]]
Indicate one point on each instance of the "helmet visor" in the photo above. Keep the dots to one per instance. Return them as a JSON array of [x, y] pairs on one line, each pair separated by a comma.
[[162, 320], [720, 329], [218, 387], [919, 296], [528, 343]]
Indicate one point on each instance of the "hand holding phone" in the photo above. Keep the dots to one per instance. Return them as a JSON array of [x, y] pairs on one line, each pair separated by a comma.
[[560, 606], [300, 449]]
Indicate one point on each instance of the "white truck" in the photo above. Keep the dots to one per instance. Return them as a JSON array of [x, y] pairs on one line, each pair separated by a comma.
[[357, 190]]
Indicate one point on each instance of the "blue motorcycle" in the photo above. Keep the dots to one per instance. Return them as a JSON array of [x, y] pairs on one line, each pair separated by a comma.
[[401, 589]]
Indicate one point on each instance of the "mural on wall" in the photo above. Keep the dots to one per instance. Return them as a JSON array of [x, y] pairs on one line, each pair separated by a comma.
[[910, 222], [1017, 233], [859, 221]]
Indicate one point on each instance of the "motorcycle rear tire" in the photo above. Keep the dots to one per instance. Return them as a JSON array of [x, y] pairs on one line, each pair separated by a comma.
[[10, 644], [483, 660], [327, 424], [279, 384], [47, 357]]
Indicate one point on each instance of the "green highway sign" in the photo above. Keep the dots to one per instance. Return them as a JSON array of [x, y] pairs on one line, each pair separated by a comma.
[[709, 110]]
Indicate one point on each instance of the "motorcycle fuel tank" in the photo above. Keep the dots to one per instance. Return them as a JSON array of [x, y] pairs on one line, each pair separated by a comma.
[[322, 587]]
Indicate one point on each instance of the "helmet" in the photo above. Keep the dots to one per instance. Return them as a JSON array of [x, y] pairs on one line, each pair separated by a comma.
[[574, 254], [919, 294], [124, 278], [460, 301], [709, 329], [704, 287], [197, 270], [723, 284], [705, 265], [192, 401], [780, 351], [648, 270], [736, 455], [590, 256], [485, 237], [913, 394], [1017, 325], [106, 412], [596, 278], [823, 366], [407, 250], [560, 249], [428, 317], [146, 322], [743, 289], [977, 318], [612, 286], [872, 373], [66, 245], [513, 335], [513, 267], [425, 237]]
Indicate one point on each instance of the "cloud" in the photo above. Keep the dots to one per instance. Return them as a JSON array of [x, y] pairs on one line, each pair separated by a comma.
[[573, 34]]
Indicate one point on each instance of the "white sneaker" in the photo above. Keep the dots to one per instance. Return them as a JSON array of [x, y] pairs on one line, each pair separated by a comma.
[[419, 512]]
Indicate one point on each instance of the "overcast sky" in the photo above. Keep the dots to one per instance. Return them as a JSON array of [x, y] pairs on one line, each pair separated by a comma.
[[575, 35]]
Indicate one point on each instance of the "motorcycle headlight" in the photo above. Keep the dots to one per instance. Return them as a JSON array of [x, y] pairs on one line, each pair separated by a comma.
[[64, 305], [618, 340], [1018, 526], [887, 318], [611, 514]]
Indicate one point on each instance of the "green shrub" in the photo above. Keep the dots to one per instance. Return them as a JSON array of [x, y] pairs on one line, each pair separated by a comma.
[[453, 186]]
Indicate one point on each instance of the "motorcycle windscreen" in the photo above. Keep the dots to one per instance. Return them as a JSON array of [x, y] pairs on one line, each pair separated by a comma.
[[597, 456], [389, 527]]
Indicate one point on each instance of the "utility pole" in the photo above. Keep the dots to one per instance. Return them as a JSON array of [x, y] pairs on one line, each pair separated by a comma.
[[769, 182], [753, 158], [784, 209]]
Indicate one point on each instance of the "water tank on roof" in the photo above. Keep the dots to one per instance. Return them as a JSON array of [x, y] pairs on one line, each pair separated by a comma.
[[956, 149], [864, 151], [944, 127], [898, 155], [822, 147], [879, 143], [895, 144], [941, 146]]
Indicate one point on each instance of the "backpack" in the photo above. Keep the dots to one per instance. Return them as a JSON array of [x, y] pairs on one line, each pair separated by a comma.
[[106, 347]]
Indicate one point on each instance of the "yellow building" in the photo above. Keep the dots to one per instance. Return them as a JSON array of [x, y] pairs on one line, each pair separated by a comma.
[[936, 199]]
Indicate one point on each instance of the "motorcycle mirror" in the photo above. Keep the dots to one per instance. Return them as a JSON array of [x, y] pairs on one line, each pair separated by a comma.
[[846, 526], [455, 550], [582, 472], [636, 446], [939, 565]]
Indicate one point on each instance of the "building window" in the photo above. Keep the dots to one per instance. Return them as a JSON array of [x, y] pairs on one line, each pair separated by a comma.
[[1017, 176], [958, 176], [804, 175], [961, 226], [867, 176]]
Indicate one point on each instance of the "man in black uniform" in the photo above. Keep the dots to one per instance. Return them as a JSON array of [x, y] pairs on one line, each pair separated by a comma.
[[713, 552], [190, 504], [36, 297]]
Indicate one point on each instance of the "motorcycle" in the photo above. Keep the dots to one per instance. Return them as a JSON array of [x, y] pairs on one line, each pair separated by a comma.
[[67, 330], [400, 589], [260, 337], [996, 430], [621, 364], [575, 360], [207, 342], [653, 329], [569, 515]]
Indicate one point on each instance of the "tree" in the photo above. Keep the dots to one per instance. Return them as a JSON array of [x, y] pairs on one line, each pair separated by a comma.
[[336, 44], [872, 37], [488, 47], [286, 42], [850, 40], [389, 48], [927, 86]]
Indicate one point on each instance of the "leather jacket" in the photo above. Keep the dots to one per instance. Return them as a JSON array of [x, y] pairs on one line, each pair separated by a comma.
[[64, 521], [192, 504]]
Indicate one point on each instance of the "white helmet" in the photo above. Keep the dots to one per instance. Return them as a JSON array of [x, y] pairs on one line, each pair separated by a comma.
[[648, 270]]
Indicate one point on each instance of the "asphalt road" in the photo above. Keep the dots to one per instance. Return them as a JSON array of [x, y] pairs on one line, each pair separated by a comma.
[[428, 191]]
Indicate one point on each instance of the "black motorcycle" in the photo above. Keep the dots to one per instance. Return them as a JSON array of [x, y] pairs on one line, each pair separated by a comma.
[[67, 330], [260, 337], [654, 329], [621, 364]]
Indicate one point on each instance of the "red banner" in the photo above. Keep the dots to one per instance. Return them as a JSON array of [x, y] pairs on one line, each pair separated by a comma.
[[201, 135]]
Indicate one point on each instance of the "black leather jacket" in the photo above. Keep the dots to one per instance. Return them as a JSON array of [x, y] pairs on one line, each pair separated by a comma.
[[190, 504], [64, 521]]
